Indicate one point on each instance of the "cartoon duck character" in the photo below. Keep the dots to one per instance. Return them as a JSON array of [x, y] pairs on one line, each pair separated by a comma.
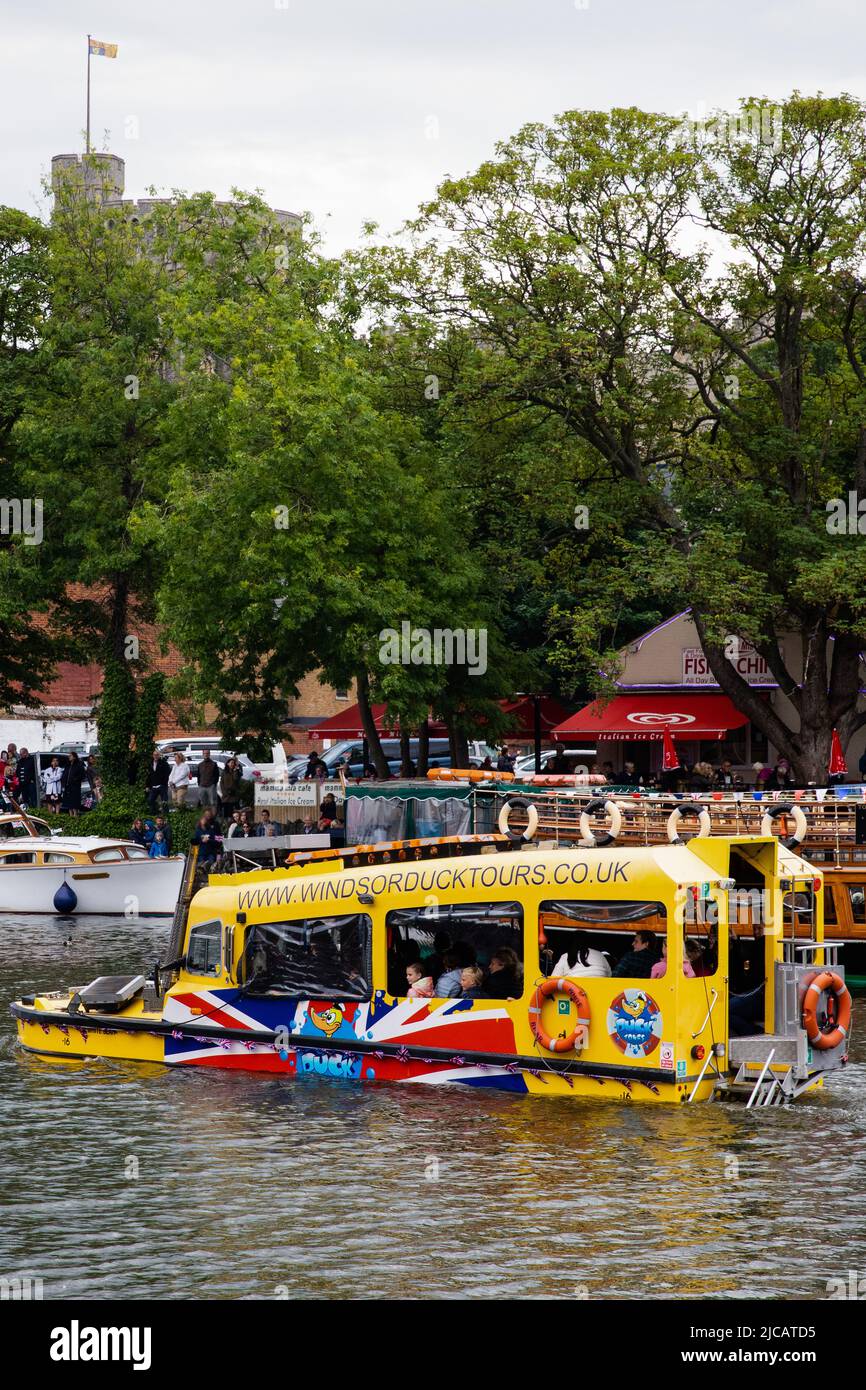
[[327, 1018], [632, 1023]]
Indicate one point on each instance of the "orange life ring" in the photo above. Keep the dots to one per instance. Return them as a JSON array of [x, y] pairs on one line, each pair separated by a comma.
[[560, 985], [832, 1037]]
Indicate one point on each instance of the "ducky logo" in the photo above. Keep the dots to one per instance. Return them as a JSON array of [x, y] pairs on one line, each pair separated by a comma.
[[634, 1022], [327, 1018]]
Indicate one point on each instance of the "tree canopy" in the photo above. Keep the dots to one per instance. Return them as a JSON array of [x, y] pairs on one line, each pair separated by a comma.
[[688, 314], [616, 371]]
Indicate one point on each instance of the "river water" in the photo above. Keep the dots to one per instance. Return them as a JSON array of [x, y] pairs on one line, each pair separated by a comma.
[[130, 1181]]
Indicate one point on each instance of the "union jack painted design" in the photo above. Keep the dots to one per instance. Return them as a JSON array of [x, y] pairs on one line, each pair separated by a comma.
[[448, 1024]]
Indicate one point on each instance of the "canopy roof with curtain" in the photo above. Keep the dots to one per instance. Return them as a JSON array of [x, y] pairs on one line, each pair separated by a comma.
[[639, 717]]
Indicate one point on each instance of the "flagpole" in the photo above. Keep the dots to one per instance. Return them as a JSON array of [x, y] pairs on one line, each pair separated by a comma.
[[87, 142]]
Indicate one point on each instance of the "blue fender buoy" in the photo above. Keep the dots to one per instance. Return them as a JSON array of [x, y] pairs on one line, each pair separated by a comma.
[[65, 899]]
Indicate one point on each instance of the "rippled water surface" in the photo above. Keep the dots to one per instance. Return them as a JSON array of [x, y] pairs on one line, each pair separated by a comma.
[[251, 1187]]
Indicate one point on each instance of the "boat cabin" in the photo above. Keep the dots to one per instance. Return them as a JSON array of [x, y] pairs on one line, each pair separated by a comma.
[[590, 968]]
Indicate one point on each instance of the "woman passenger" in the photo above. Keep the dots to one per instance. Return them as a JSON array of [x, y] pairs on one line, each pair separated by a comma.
[[695, 957], [582, 960], [504, 980], [660, 967]]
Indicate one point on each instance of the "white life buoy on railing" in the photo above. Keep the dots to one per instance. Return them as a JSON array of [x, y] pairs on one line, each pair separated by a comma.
[[786, 808], [519, 803], [589, 839], [688, 808]]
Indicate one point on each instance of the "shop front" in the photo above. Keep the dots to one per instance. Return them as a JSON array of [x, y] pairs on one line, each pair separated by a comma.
[[665, 684]]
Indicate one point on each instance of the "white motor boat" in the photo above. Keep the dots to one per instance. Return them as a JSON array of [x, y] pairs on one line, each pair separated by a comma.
[[42, 872]]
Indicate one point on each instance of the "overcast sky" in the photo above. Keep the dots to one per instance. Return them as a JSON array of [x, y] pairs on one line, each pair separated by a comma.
[[354, 109]]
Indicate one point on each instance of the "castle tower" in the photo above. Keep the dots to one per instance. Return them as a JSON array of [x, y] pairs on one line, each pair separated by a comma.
[[101, 177]]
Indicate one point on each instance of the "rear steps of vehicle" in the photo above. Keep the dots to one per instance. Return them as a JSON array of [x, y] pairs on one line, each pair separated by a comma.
[[771, 1069]]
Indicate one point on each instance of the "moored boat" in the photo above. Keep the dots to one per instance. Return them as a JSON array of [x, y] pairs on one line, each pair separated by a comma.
[[302, 970], [43, 873]]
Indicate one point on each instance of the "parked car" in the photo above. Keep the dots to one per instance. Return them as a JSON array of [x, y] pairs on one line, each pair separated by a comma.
[[193, 748], [350, 753], [578, 759]]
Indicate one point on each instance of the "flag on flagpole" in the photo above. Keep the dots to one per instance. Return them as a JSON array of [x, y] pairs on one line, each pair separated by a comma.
[[670, 761], [837, 757], [102, 50]]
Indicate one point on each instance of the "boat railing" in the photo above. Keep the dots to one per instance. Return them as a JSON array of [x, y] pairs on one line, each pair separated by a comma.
[[178, 925], [831, 833]]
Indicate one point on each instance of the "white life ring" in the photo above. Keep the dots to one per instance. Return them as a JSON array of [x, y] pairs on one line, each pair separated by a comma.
[[589, 839], [519, 803], [786, 808], [693, 809]]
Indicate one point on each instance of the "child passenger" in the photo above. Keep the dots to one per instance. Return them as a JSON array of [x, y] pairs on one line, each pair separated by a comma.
[[471, 980], [420, 985]]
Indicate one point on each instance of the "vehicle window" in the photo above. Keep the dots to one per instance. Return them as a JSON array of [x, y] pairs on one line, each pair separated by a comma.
[[136, 852], [625, 938], [204, 952], [14, 830], [18, 858], [483, 939], [41, 825], [829, 905], [106, 856], [798, 910], [314, 958], [857, 898], [55, 857]]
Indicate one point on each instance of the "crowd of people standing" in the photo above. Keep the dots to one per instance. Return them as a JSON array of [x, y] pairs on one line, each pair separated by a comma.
[[71, 786]]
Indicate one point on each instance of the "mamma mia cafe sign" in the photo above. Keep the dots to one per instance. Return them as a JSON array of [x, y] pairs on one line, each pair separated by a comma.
[[749, 663]]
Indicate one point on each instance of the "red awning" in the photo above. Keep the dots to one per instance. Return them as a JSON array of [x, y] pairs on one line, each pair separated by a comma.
[[640, 717], [521, 713], [347, 724]]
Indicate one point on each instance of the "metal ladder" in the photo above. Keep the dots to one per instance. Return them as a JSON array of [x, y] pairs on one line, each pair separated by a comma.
[[763, 1086]]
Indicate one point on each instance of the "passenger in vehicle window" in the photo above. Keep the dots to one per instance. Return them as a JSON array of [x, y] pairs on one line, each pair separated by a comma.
[[695, 958], [639, 961], [710, 951], [436, 960], [420, 985], [659, 970], [448, 984], [505, 975], [581, 960], [471, 982]]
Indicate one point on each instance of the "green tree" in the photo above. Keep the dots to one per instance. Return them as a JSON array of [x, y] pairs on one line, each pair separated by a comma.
[[31, 611], [322, 502], [717, 399], [88, 435]]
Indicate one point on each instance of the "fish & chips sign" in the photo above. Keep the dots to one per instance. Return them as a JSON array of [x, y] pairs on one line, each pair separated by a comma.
[[745, 660]]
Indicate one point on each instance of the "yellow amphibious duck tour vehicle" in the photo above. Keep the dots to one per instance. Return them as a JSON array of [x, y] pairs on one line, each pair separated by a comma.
[[583, 985]]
